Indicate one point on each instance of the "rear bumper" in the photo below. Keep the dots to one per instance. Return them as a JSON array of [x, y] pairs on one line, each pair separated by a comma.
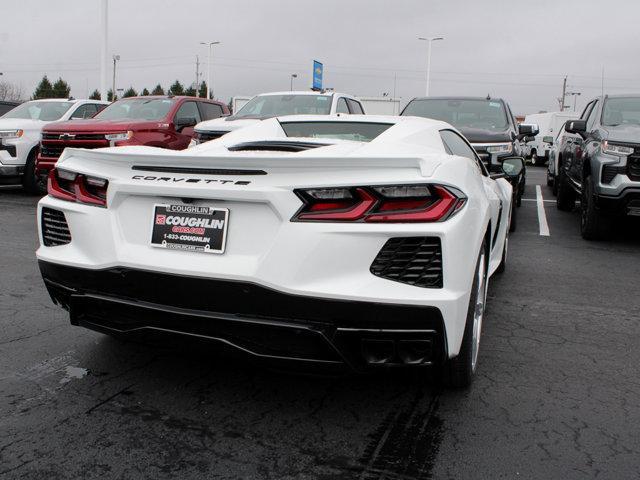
[[256, 320]]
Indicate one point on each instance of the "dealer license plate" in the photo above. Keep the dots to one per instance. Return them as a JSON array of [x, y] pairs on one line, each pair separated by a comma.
[[190, 227]]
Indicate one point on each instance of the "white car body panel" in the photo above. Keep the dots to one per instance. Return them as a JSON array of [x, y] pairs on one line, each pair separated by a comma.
[[326, 260]]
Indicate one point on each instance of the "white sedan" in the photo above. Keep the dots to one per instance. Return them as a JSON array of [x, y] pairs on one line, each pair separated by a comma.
[[358, 241]]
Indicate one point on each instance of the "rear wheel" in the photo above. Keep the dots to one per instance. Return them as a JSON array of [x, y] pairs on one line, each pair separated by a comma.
[[29, 180], [458, 372], [593, 225], [566, 197]]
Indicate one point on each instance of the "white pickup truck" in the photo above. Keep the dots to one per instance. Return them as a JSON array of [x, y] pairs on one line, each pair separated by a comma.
[[277, 104], [20, 131]]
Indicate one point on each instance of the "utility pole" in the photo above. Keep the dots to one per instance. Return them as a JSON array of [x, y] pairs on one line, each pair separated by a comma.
[[293, 75], [564, 94], [197, 76], [104, 10], [113, 88], [603, 80]]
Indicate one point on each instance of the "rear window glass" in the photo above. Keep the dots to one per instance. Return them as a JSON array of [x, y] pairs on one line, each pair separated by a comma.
[[356, 131]]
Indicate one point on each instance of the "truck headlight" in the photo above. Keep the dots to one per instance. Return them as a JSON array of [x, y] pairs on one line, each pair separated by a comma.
[[500, 148], [115, 137], [11, 133], [613, 149]]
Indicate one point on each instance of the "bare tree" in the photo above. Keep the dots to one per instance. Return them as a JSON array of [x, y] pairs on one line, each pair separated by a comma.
[[10, 92]]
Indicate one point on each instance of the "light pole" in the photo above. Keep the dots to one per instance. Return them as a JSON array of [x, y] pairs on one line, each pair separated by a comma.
[[211, 44], [293, 75], [575, 97], [104, 75], [113, 87], [430, 40]]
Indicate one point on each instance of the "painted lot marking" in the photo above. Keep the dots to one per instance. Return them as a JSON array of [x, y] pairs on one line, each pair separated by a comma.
[[542, 217]]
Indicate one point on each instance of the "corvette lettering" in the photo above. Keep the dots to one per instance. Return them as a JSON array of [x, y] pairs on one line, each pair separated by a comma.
[[151, 178]]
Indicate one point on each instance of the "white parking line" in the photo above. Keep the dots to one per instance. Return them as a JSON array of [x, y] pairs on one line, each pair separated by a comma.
[[535, 200], [542, 217]]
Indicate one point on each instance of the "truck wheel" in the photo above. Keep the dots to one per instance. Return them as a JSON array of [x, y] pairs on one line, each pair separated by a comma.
[[458, 372], [513, 223], [566, 197], [593, 225], [534, 158], [29, 180]]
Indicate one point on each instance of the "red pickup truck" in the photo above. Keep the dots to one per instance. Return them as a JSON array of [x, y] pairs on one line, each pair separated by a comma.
[[158, 121]]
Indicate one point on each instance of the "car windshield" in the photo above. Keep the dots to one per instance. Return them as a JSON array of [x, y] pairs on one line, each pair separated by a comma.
[[621, 111], [356, 131], [265, 106], [45, 111], [481, 114], [137, 109]]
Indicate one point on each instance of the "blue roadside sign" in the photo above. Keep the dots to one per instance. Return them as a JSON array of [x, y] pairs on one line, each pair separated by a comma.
[[317, 75]]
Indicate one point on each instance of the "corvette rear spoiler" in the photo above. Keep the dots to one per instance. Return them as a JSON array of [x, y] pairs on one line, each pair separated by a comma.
[[243, 160]]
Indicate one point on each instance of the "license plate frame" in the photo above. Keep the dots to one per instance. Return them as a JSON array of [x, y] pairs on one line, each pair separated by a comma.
[[194, 228]]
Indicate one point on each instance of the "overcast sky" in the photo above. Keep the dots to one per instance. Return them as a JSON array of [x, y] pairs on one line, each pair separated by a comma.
[[368, 47]]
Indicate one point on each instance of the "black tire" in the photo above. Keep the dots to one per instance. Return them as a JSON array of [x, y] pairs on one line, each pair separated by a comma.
[[549, 180], [566, 197], [534, 158], [513, 220], [593, 225], [458, 372], [30, 182], [505, 251], [554, 186]]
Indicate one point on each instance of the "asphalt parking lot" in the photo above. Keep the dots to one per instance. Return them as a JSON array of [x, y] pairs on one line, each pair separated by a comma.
[[557, 393]]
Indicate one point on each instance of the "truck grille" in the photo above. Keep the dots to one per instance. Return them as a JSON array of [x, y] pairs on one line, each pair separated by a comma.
[[76, 136], [413, 260], [55, 230], [633, 165], [52, 151]]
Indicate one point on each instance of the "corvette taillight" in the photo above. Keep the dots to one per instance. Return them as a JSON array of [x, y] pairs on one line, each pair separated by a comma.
[[389, 203], [76, 187]]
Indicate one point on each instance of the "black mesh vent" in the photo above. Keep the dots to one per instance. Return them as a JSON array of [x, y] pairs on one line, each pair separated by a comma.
[[55, 230], [206, 136], [413, 260], [633, 165], [608, 173]]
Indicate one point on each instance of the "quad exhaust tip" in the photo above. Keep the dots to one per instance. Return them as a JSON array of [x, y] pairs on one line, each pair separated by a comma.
[[397, 352]]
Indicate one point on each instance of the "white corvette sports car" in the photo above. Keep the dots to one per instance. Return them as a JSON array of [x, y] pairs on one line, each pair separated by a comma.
[[354, 240]]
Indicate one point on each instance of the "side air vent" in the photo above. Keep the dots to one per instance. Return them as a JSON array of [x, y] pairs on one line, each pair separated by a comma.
[[609, 172], [55, 230], [633, 166], [413, 260]]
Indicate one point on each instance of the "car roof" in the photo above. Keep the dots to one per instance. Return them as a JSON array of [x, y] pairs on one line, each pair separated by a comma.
[[325, 93], [488, 99]]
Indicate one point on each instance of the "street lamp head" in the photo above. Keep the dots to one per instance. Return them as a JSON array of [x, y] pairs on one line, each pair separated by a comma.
[[116, 57], [294, 75], [209, 43], [430, 39]]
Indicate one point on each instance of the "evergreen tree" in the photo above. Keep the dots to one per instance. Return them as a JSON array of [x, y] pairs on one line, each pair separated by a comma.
[[44, 89], [130, 92], [95, 95], [202, 91], [176, 88], [158, 90], [110, 95], [145, 92], [190, 92], [61, 89]]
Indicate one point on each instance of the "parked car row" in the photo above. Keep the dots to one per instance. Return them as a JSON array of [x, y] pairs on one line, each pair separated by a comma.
[[596, 160]]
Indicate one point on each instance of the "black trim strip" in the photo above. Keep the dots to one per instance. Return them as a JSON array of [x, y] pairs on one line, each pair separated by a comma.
[[201, 171]]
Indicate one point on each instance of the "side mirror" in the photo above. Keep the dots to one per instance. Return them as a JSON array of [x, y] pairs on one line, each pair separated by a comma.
[[578, 127], [513, 166], [184, 122], [528, 130], [548, 139]]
